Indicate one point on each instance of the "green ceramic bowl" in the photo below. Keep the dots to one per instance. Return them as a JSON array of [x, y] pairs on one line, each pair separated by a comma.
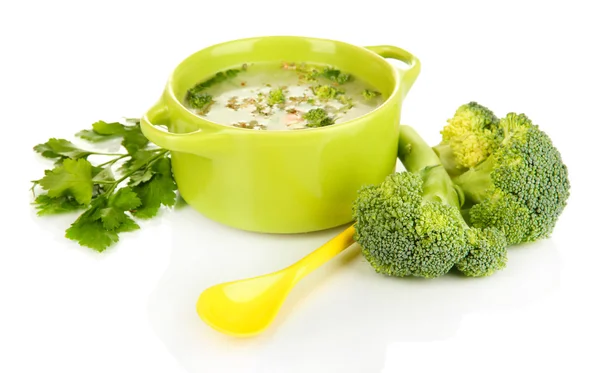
[[281, 181]]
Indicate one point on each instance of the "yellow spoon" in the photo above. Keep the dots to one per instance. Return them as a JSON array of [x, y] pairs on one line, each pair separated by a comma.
[[246, 307]]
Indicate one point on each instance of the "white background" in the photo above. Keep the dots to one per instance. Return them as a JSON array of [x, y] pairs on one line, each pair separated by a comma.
[[65, 65]]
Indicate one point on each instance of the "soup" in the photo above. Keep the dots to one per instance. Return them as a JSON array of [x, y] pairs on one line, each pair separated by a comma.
[[287, 96]]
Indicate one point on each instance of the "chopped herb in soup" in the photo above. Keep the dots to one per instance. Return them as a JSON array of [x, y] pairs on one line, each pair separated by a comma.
[[286, 97]]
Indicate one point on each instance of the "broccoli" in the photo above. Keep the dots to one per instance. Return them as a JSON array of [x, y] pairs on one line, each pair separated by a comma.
[[486, 253], [313, 73], [335, 75], [276, 96], [203, 101], [468, 138], [326, 92], [411, 225], [318, 118], [200, 101], [368, 94], [521, 187]]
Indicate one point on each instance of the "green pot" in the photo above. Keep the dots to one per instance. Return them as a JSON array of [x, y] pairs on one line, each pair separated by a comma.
[[281, 181]]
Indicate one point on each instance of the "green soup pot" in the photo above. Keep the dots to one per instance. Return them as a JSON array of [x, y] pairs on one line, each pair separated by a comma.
[[281, 181]]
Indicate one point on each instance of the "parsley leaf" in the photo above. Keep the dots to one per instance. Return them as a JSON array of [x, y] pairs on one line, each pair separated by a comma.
[[132, 137], [93, 136], [72, 178], [46, 205], [112, 213], [134, 140], [110, 200], [111, 217], [125, 199], [137, 160], [61, 148], [102, 131], [99, 225], [91, 233], [100, 174], [89, 230], [140, 176], [159, 190], [128, 225], [107, 129]]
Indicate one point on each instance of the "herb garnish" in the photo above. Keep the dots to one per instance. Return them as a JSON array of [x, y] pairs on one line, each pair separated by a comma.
[[202, 101], [110, 196]]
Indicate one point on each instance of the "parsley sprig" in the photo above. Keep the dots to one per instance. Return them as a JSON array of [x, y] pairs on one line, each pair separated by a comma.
[[113, 194]]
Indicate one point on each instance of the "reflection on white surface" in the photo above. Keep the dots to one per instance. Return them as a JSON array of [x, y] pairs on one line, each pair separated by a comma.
[[342, 317]]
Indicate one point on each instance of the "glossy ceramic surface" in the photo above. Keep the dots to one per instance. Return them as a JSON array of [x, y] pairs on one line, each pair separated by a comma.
[[281, 181]]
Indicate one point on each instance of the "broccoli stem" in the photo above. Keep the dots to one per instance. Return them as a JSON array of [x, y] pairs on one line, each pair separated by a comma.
[[418, 157], [446, 154], [477, 182]]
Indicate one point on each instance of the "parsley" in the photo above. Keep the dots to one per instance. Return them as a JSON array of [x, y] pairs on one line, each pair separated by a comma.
[[72, 178], [110, 203], [197, 99]]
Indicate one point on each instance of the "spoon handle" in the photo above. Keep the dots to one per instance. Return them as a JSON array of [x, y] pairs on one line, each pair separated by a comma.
[[321, 255]]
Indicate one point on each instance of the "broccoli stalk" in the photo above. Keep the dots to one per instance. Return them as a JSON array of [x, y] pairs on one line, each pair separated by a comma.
[[411, 225], [485, 248], [417, 157]]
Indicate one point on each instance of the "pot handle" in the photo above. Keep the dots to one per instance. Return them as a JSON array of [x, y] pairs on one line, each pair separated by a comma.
[[409, 73], [198, 142]]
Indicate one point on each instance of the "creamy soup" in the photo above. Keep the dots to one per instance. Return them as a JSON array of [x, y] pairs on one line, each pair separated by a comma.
[[287, 96]]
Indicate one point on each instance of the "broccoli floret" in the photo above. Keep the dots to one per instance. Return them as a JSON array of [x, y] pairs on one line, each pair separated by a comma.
[[313, 73], [203, 101], [276, 96], [326, 92], [522, 187], [368, 94], [335, 75], [318, 118], [486, 253], [410, 224], [345, 100], [468, 138], [401, 233], [200, 101]]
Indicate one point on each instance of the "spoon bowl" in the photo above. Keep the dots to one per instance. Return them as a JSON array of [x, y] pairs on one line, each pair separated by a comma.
[[247, 307]]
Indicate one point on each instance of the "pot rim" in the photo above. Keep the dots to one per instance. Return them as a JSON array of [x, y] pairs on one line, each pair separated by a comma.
[[216, 126]]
